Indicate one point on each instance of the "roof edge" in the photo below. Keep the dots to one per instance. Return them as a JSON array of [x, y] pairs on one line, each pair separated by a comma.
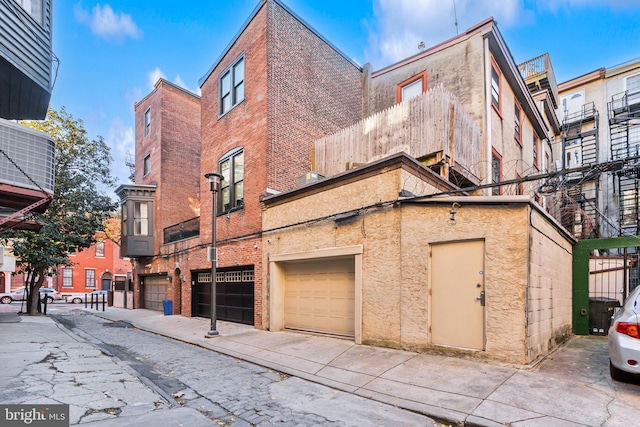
[[246, 23]]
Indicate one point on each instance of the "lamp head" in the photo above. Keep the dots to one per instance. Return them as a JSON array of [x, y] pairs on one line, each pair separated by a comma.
[[214, 179]]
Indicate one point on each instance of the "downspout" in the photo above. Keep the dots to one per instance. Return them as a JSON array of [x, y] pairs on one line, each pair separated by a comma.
[[487, 116]]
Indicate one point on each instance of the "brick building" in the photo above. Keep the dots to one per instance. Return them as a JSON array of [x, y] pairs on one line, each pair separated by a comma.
[[278, 86], [98, 267], [277, 89], [163, 205]]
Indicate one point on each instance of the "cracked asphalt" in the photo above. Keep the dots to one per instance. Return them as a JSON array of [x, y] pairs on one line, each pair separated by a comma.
[[111, 373]]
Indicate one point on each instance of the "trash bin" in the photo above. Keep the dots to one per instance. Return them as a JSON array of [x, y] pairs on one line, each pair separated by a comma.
[[601, 310], [110, 299], [167, 305]]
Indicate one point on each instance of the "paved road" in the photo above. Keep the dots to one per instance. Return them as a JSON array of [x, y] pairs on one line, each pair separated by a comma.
[[228, 391]]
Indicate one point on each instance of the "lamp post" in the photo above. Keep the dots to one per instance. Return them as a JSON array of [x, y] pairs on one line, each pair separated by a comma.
[[214, 182]]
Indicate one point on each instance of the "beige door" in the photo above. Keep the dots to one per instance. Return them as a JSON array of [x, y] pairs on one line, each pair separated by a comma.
[[320, 296], [155, 291], [457, 294]]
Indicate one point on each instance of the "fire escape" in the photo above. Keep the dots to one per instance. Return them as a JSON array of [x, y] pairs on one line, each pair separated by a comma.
[[579, 149], [624, 128]]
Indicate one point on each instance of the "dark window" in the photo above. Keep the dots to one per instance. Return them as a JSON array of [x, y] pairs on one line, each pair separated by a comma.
[[147, 121], [536, 158], [495, 88], [146, 164], [518, 124], [231, 86], [496, 168], [232, 186]]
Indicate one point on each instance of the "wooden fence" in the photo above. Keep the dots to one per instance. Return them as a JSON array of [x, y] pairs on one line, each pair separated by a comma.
[[435, 122]]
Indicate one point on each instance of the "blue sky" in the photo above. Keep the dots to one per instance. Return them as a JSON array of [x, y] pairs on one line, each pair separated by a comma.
[[112, 52]]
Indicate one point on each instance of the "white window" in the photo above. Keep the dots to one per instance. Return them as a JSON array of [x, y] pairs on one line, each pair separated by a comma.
[[100, 250], [411, 90], [633, 89], [141, 219], [573, 154], [33, 8], [67, 277], [89, 278], [571, 105]]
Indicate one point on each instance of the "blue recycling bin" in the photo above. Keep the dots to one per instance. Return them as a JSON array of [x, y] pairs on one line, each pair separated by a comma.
[[167, 305]]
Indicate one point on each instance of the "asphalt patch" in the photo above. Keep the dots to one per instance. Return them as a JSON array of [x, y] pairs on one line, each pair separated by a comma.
[[119, 324]]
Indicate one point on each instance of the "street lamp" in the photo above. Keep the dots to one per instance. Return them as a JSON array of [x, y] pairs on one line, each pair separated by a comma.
[[214, 181]]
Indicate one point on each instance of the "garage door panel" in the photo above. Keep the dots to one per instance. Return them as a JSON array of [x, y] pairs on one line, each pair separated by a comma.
[[320, 296], [234, 295], [155, 291]]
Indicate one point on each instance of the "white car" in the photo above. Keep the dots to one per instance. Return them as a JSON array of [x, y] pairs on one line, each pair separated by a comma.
[[624, 339], [97, 296], [19, 295]]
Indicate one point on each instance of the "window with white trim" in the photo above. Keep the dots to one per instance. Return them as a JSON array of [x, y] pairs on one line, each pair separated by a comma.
[[633, 89], [141, 219], [89, 278], [67, 277]]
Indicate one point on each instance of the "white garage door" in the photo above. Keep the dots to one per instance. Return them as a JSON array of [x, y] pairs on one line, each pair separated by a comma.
[[320, 296]]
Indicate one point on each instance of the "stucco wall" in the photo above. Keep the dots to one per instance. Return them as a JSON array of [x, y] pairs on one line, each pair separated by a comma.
[[396, 240], [503, 228], [549, 308]]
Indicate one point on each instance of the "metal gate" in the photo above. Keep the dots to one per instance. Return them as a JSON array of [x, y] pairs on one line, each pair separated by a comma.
[[604, 272]]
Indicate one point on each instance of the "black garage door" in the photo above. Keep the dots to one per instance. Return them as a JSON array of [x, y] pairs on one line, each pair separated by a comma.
[[234, 294]]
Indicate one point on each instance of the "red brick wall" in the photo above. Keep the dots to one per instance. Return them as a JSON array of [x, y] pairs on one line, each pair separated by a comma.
[[297, 89], [174, 146], [313, 91]]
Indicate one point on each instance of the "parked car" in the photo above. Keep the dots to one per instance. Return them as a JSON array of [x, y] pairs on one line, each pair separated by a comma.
[[98, 296], [624, 339], [20, 295]]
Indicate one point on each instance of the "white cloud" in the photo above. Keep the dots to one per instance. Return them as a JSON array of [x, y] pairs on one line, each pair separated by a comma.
[[554, 5], [154, 76], [121, 139], [402, 24], [106, 23]]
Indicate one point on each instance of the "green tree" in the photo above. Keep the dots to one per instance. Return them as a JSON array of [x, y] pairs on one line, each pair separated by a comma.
[[79, 208]]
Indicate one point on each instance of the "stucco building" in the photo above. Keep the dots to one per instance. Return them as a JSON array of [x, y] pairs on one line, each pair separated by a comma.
[[488, 277]]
